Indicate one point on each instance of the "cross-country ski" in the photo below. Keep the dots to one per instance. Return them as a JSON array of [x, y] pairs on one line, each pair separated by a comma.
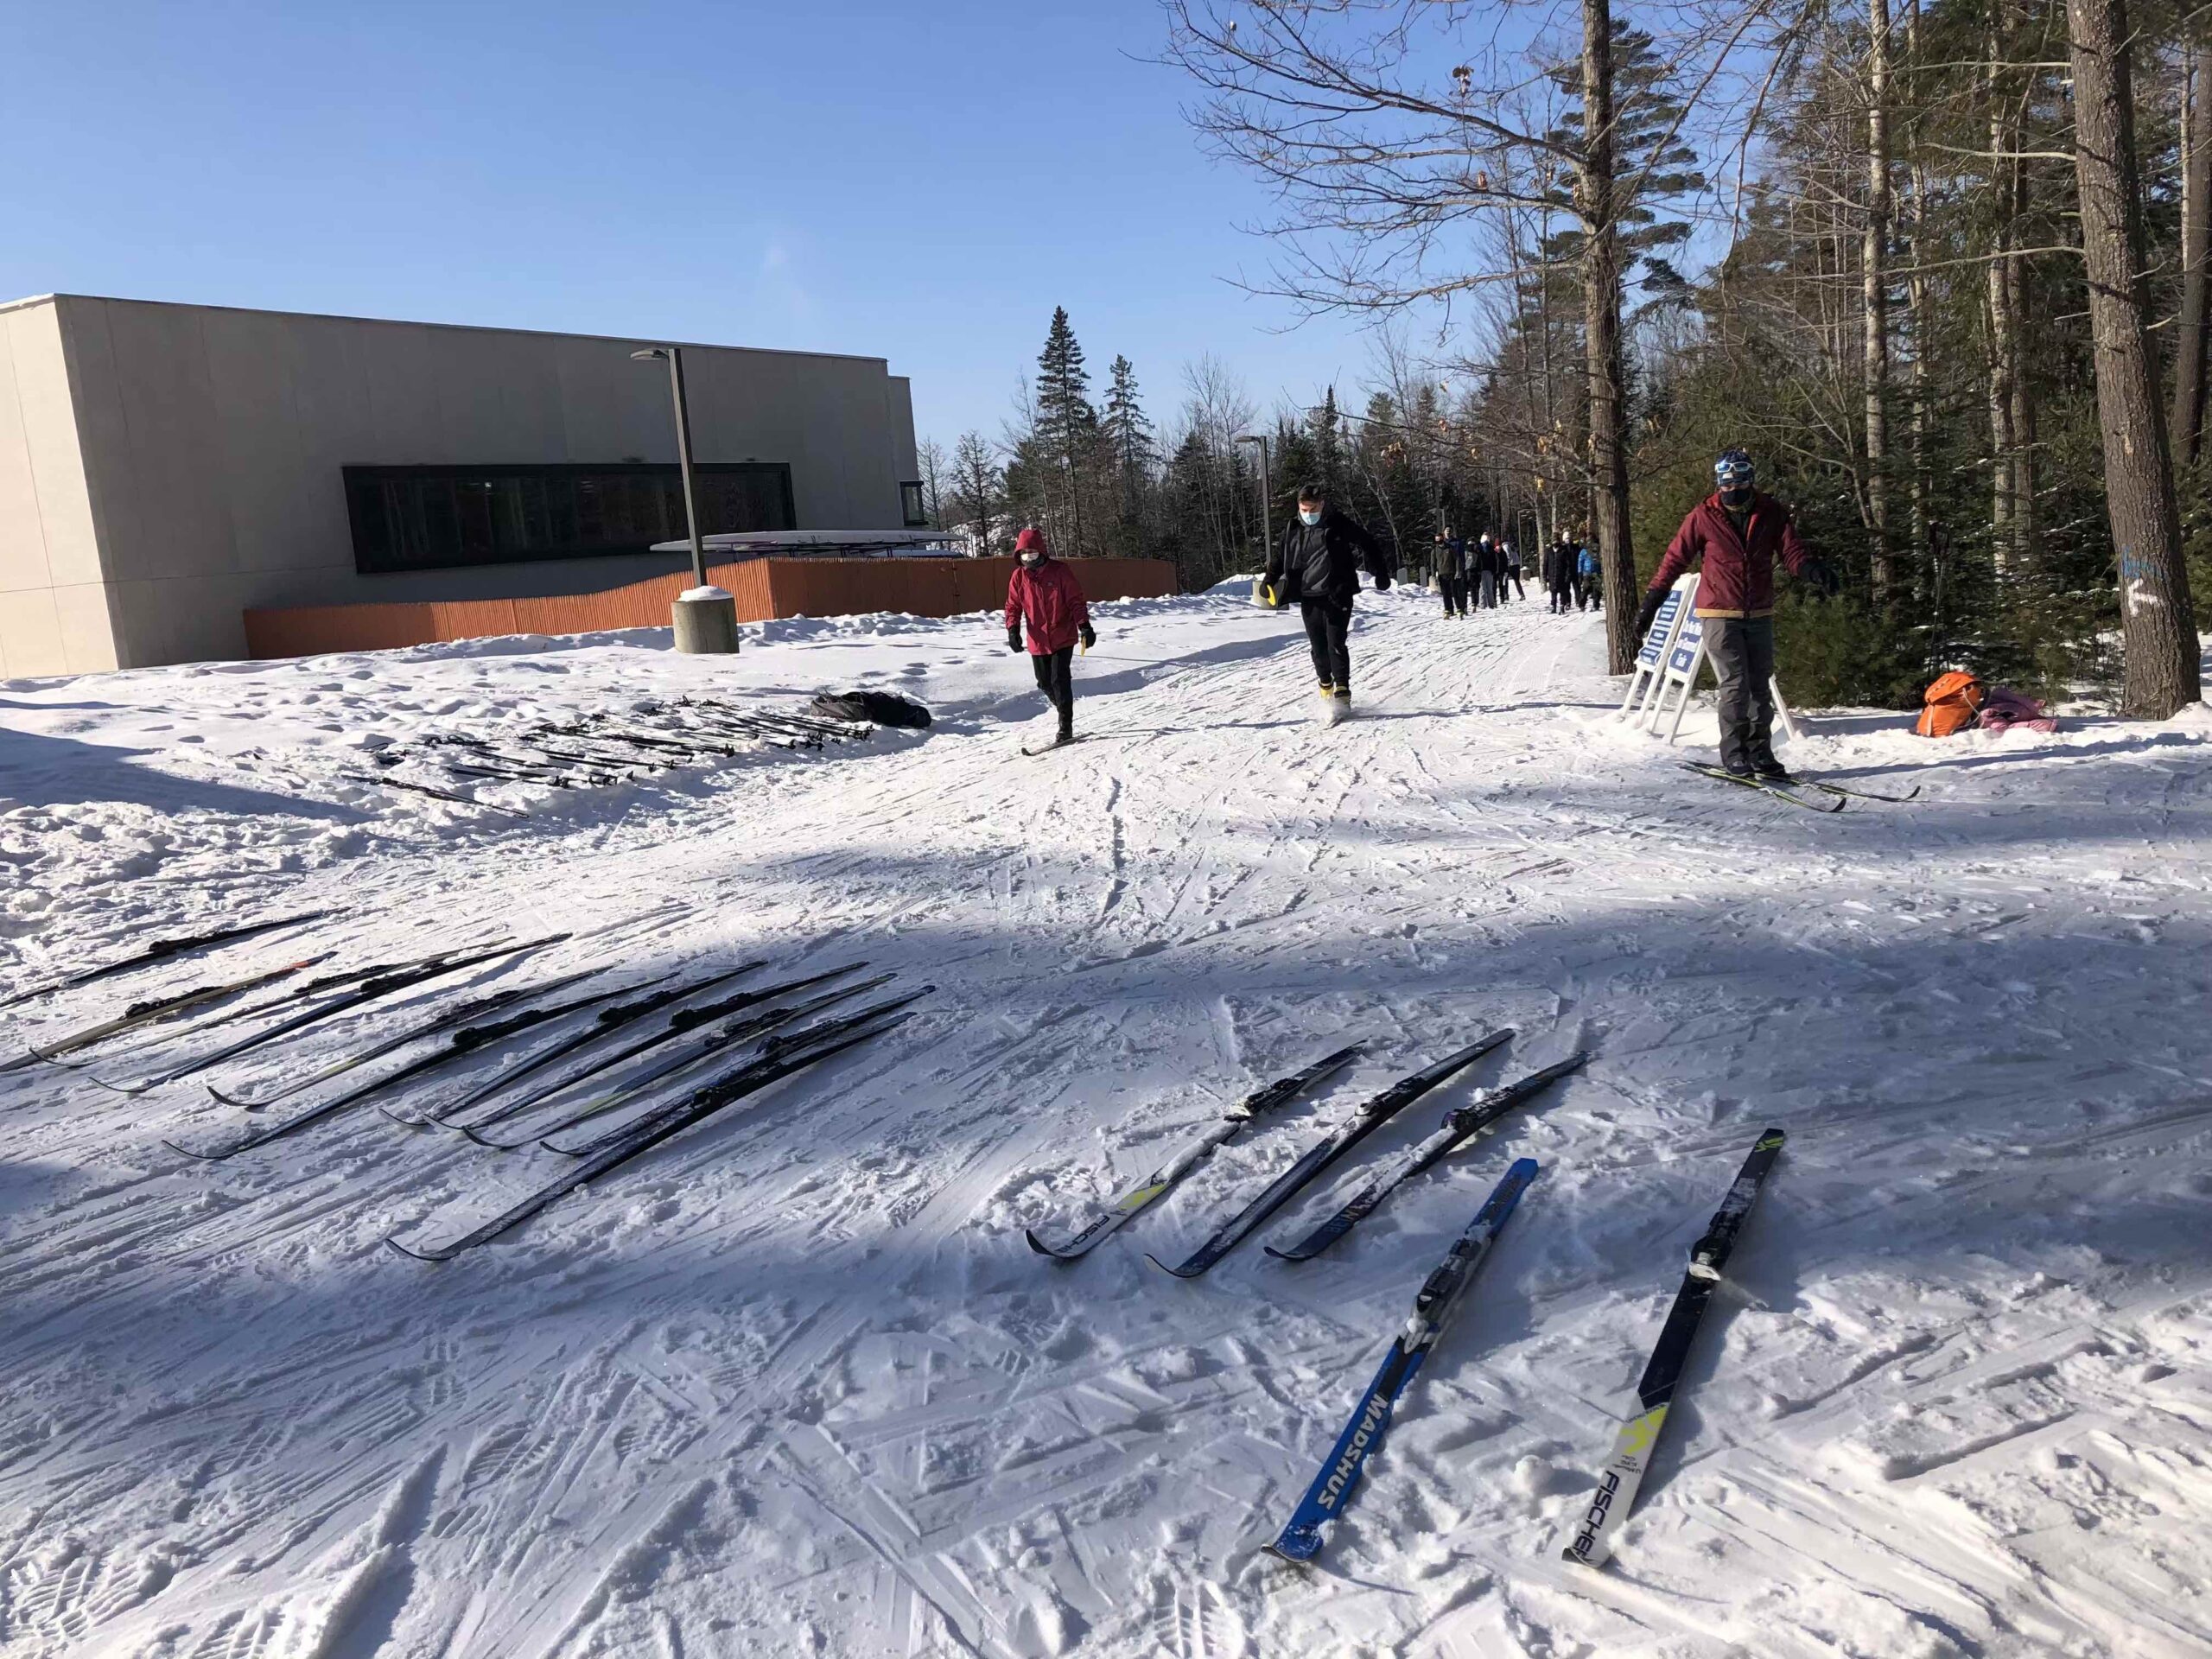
[[1433, 1305], [1590, 1536], [1253, 1106], [1459, 1126], [1371, 1116]]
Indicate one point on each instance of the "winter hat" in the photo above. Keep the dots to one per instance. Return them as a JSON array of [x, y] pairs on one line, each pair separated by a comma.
[[1032, 540]]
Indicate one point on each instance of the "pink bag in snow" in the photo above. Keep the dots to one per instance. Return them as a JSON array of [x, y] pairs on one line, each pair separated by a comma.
[[2002, 710]]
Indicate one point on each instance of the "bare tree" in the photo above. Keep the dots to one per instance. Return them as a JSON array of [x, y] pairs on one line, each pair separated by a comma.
[[2158, 622], [937, 469]]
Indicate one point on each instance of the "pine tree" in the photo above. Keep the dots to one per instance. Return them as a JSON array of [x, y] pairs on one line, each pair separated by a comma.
[[1067, 426], [1328, 446], [1135, 457]]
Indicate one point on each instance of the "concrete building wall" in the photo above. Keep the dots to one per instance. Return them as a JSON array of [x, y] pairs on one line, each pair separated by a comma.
[[195, 455], [53, 598]]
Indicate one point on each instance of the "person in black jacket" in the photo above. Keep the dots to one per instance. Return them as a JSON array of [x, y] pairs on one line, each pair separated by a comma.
[[1450, 557], [1317, 562], [1487, 566], [1559, 574]]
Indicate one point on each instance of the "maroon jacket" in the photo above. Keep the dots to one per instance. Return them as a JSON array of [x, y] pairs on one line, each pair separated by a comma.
[[1737, 580], [1048, 595]]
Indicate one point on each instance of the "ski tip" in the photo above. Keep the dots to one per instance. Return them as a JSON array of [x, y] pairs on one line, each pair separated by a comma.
[[199, 1157], [1184, 1272], [1038, 1245], [413, 1254], [1299, 1551]]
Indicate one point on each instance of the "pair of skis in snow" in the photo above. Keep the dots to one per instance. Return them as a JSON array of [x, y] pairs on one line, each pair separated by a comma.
[[1592, 1539], [1458, 1128], [1790, 789]]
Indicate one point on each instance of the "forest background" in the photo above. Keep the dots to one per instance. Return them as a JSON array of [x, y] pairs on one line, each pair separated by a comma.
[[1942, 270]]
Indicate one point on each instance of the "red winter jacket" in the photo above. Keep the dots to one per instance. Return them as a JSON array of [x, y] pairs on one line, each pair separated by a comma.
[[1049, 597], [1737, 578]]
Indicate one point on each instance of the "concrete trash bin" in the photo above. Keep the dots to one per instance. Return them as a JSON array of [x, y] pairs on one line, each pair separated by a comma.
[[706, 622]]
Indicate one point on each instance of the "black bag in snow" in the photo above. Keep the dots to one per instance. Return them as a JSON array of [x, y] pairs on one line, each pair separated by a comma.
[[882, 707]]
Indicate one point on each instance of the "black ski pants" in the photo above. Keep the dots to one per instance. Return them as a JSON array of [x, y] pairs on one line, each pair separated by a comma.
[[1326, 628], [1742, 650], [1455, 595], [1056, 679]]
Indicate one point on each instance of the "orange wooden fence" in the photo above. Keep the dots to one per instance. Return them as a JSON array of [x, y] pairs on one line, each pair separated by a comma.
[[763, 588]]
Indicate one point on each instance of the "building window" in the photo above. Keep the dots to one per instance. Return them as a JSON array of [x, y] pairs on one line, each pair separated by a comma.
[[438, 517], [911, 510]]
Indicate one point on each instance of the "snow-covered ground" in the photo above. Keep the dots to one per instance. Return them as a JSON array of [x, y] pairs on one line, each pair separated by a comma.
[[794, 1383]]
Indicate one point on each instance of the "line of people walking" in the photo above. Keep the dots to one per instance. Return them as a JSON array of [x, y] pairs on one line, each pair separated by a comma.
[[1475, 577]]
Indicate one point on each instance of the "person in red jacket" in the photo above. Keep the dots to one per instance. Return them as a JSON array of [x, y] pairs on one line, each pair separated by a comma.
[[1739, 532], [1044, 593]]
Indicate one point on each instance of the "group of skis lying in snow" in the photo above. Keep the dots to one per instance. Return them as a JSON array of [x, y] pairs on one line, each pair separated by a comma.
[[1590, 1539], [672, 1024], [597, 749], [676, 1023]]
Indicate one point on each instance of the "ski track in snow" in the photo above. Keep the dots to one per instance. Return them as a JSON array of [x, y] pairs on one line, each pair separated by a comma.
[[793, 1383]]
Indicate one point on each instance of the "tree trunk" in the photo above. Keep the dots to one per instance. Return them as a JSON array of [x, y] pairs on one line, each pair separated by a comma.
[[1874, 266], [2004, 317], [2157, 624], [1920, 302], [1601, 301], [2188, 421]]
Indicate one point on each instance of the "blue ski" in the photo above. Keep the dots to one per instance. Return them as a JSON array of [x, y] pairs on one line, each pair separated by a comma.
[[1434, 1306]]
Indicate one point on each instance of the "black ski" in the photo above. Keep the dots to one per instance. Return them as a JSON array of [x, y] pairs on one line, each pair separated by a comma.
[[777, 1061], [158, 1012], [1779, 792], [461, 1014], [367, 991], [1371, 1117], [676, 1025], [161, 951], [608, 1021], [1469, 1120], [1608, 1507], [469, 1040], [1047, 748], [298, 993], [1258, 1103], [1859, 794], [738, 1030]]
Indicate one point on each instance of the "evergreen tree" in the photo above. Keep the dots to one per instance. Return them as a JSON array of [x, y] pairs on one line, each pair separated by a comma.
[[1067, 426]]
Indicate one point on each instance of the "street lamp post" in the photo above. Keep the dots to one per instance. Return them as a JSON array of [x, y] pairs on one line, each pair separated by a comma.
[[1266, 490], [706, 617]]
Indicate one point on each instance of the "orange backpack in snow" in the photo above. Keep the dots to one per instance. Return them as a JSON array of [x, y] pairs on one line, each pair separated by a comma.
[[1951, 703]]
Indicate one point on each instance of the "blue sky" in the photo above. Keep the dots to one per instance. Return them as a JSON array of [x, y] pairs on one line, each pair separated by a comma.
[[922, 183]]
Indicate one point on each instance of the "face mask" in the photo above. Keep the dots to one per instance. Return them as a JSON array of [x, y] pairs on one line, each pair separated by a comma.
[[1740, 496], [1310, 515]]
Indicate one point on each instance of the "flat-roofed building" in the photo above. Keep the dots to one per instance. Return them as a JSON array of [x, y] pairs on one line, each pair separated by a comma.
[[165, 467]]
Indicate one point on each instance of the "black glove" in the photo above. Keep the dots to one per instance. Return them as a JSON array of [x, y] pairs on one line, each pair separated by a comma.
[[1823, 578], [1649, 610], [1088, 638], [1013, 637]]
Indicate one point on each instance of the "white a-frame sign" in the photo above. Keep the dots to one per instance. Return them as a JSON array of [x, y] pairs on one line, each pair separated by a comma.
[[1667, 666], [1644, 684]]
